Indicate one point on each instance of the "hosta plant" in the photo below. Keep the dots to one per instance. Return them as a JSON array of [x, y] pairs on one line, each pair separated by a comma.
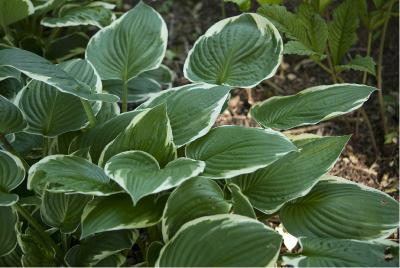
[[84, 184]]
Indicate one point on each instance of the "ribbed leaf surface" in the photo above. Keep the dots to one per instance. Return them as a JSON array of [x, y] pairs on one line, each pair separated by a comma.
[[239, 51], [12, 173], [11, 118], [8, 236], [241, 204]]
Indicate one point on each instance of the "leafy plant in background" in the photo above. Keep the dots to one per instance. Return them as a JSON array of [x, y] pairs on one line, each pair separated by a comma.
[[81, 184]]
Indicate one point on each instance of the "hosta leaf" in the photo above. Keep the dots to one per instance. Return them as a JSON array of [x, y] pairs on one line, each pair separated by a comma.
[[11, 118], [152, 253], [139, 88], [8, 72], [163, 75], [100, 246], [140, 174], [134, 43], [42, 70], [12, 173], [291, 176], [43, 6], [63, 211], [67, 46], [359, 63], [116, 212], [311, 105], [337, 208], [194, 198], [191, 120], [13, 11], [116, 260], [8, 236], [241, 204], [239, 51], [221, 240], [152, 133], [107, 112], [29, 145], [343, 30], [229, 151], [70, 174], [91, 14], [12, 259], [316, 252], [9, 88]]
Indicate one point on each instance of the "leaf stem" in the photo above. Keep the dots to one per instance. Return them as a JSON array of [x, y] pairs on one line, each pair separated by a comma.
[[89, 113], [40, 231], [125, 96], [332, 68]]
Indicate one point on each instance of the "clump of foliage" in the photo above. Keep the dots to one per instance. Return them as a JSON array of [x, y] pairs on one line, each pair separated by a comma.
[[81, 182]]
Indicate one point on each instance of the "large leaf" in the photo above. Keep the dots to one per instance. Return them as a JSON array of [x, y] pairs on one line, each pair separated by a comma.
[[12, 173], [8, 72], [8, 236], [239, 51], [343, 30], [359, 63], [28, 145], [11, 119], [311, 105], [221, 241], [92, 14], [337, 208], [70, 174], [134, 43], [230, 151], [163, 75], [317, 252], [100, 246], [149, 131], [116, 212], [140, 174], [67, 46], [193, 199], [191, 120], [12, 259], [42, 70], [63, 211], [293, 175], [13, 11], [240, 203]]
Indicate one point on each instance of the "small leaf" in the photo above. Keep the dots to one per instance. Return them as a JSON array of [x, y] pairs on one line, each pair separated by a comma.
[[222, 241], [152, 131], [316, 252], [8, 236], [152, 253], [132, 44], [13, 11], [140, 174], [310, 106], [295, 47], [244, 5], [70, 174], [338, 208], [359, 63], [229, 151], [190, 120], [12, 119], [293, 175], [12, 174], [63, 211], [241, 204], [194, 198], [239, 51], [116, 212], [98, 247]]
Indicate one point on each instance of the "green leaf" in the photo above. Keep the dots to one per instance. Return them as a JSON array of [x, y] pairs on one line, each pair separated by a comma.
[[28, 145], [12, 119], [229, 151], [12, 174], [42, 70], [162, 75], [132, 44], [190, 120], [338, 208], [8, 72], [241, 204], [116, 212], [70, 174], [96, 248], [239, 51], [8, 236], [12, 259], [193, 199], [91, 14], [272, 2], [139, 88], [310, 106], [152, 253], [43, 6], [293, 175], [63, 211], [140, 174], [13, 11], [244, 5], [343, 30], [152, 131], [222, 241], [316, 252], [116, 260], [295, 47], [359, 63], [67, 46]]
